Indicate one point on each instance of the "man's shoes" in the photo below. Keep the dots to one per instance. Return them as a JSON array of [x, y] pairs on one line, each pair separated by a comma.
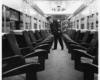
[[62, 49], [54, 48]]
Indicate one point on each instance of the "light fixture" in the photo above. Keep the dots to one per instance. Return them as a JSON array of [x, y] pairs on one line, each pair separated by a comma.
[[58, 20], [58, 6]]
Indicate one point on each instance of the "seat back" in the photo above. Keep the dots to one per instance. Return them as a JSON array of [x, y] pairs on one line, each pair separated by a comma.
[[73, 34], [94, 40], [12, 45], [95, 35], [20, 40], [31, 35], [77, 35], [37, 35], [6, 49], [70, 33], [46, 32], [86, 36], [93, 43], [27, 39], [42, 33]]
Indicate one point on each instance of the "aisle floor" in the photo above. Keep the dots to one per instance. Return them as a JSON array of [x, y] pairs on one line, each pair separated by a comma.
[[59, 66]]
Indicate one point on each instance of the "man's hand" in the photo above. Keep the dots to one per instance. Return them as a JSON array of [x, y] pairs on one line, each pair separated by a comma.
[[58, 31]]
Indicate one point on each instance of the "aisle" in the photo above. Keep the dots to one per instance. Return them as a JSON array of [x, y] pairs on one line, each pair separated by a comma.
[[59, 66]]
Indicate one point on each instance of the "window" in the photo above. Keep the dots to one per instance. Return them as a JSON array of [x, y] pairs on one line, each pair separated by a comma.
[[82, 23], [74, 24], [77, 24], [35, 23], [42, 24], [21, 21], [87, 22], [39, 24], [45, 25], [92, 25], [29, 22]]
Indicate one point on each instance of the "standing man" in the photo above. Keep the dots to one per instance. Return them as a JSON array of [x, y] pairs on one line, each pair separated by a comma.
[[56, 31]]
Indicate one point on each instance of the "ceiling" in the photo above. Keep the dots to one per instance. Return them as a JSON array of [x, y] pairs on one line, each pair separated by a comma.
[[47, 5], [70, 5]]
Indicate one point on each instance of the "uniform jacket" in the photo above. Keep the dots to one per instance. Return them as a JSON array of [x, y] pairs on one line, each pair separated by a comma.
[[55, 28]]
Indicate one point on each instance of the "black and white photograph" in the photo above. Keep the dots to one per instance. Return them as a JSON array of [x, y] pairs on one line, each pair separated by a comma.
[[49, 40]]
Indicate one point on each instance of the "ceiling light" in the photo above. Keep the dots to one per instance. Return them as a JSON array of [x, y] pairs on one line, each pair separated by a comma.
[[59, 6]]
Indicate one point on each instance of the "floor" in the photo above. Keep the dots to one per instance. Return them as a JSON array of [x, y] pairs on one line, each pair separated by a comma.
[[59, 66]]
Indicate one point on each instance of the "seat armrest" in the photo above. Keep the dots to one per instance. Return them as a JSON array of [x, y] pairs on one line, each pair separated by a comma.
[[12, 58], [36, 53], [45, 42], [72, 42], [12, 62], [82, 53], [79, 41], [88, 67], [42, 46], [25, 50], [73, 46], [85, 45], [21, 69], [39, 40]]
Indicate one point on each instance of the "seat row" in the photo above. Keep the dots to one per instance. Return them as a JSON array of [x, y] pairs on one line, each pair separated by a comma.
[[83, 47], [25, 52]]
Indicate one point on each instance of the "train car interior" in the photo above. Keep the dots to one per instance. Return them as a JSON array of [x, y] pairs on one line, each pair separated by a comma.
[[28, 40]]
